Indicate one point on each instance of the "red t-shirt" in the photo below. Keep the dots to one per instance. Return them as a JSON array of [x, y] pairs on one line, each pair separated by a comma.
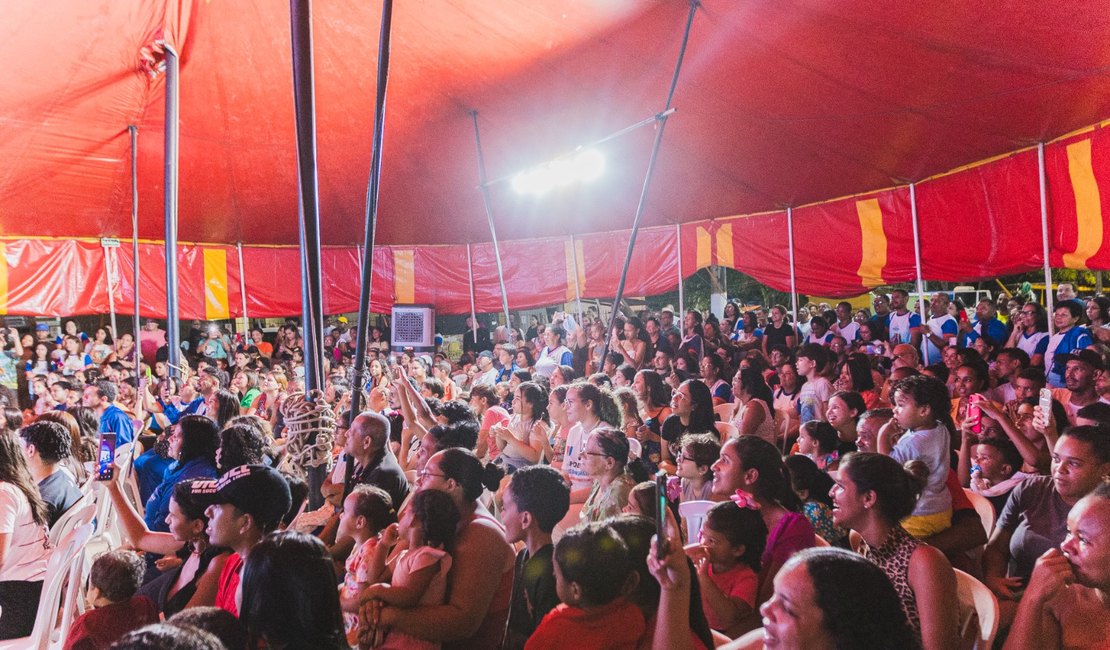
[[229, 584], [101, 627], [738, 582], [620, 624]]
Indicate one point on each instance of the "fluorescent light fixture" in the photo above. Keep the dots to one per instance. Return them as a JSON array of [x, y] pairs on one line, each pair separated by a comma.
[[583, 166]]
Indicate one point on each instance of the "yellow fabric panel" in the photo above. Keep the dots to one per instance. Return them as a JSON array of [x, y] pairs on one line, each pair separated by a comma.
[[1088, 205], [404, 276], [725, 254], [580, 260], [705, 248], [872, 243], [3, 278], [215, 284]]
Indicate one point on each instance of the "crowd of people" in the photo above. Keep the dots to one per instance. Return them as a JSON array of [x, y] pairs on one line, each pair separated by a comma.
[[505, 499]]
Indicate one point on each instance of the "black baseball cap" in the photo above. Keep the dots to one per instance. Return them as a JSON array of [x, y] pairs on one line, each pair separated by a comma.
[[1087, 356], [257, 490]]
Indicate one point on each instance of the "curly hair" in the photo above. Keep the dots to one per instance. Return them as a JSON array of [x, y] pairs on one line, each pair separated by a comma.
[[602, 403]]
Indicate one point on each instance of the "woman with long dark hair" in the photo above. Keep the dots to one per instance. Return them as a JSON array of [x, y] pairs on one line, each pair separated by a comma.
[[24, 550], [753, 406], [691, 412], [521, 443], [193, 442], [654, 398], [289, 595]]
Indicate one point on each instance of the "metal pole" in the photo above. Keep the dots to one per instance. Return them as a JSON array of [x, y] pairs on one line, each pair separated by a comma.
[[661, 126], [109, 272], [1044, 238], [577, 290], [489, 216], [173, 326], [243, 291], [793, 279], [362, 323], [681, 292], [133, 131], [920, 281], [470, 282]]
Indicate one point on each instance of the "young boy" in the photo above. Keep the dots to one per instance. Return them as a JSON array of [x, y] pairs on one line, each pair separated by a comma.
[[114, 579], [813, 398], [999, 470], [591, 571], [534, 501]]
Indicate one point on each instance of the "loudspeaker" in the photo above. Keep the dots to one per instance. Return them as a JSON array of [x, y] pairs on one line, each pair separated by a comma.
[[413, 326]]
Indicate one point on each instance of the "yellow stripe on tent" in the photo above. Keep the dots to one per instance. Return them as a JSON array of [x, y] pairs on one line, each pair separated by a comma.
[[725, 253], [404, 276], [872, 242], [3, 278], [705, 248], [215, 284], [1088, 206]]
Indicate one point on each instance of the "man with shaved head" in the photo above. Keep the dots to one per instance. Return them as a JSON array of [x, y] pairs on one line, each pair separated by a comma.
[[375, 463]]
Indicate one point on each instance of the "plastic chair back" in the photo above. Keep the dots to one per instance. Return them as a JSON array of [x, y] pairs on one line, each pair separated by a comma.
[[984, 508], [726, 430], [975, 598], [635, 449], [724, 411], [694, 514], [81, 512]]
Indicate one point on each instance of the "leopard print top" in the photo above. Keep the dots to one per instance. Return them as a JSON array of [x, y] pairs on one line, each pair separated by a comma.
[[893, 557]]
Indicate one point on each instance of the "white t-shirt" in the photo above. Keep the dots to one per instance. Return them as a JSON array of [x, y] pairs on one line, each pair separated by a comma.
[[944, 327], [573, 462], [29, 551], [850, 331]]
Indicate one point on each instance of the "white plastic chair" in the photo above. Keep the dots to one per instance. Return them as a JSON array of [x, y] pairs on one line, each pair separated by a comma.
[[67, 561], [693, 512], [984, 508], [635, 449], [81, 512], [726, 430], [724, 411], [975, 598]]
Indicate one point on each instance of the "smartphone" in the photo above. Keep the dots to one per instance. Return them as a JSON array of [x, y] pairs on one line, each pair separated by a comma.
[[974, 414], [661, 513], [106, 460], [1046, 402]]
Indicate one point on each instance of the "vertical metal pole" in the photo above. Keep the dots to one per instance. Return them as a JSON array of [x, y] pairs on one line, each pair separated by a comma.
[[574, 269], [1048, 295], [110, 273], [660, 127], [793, 279], [470, 282], [133, 131], [362, 323], [681, 292], [920, 281], [305, 110], [243, 291], [489, 216], [173, 325]]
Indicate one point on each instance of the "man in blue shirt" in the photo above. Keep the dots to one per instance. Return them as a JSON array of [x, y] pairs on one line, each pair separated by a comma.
[[101, 397], [987, 324]]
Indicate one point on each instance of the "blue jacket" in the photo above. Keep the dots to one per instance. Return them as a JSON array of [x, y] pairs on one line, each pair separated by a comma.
[[158, 505], [116, 421]]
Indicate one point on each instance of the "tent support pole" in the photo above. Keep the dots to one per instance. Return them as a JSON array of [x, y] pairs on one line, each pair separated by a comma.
[[243, 291], [577, 289], [793, 278], [173, 129], [920, 281], [362, 322], [470, 283], [304, 103], [133, 131], [681, 291], [111, 272], [489, 216], [660, 127], [1048, 296]]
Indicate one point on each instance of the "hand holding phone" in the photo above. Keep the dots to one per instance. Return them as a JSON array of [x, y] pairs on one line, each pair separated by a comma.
[[974, 413], [661, 513], [106, 459]]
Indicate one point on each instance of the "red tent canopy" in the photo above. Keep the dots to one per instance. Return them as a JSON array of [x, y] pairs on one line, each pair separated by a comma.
[[779, 104]]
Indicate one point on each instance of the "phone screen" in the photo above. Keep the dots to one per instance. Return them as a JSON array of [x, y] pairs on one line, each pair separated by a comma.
[[105, 461], [1046, 402], [661, 512]]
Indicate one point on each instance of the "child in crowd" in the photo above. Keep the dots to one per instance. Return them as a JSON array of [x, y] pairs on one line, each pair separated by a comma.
[[728, 562], [113, 581], [592, 567], [997, 470], [535, 499], [367, 511], [818, 441], [693, 480], [923, 410], [641, 500], [812, 486], [420, 571], [813, 398]]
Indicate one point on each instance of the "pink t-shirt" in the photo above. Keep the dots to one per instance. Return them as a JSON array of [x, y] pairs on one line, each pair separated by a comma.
[[738, 582], [495, 416], [358, 571]]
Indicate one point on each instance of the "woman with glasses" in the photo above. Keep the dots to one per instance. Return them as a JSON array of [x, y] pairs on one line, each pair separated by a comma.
[[605, 457], [1031, 333], [481, 574]]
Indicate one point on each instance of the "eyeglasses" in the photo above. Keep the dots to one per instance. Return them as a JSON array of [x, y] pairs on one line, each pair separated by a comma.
[[682, 457], [425, 474], [594, 453]]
